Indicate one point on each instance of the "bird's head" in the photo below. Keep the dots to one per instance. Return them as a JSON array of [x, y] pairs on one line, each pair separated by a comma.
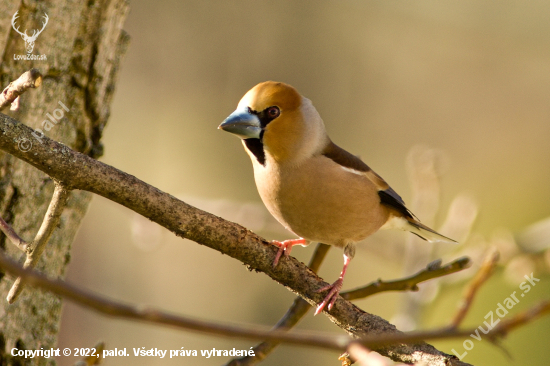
[[274, 118]]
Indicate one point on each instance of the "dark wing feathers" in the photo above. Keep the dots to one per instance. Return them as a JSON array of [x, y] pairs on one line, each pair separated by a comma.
[[344, 158], [392, 199]]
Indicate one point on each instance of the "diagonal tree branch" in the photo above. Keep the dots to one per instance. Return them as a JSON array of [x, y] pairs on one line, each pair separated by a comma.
[[78, 171]]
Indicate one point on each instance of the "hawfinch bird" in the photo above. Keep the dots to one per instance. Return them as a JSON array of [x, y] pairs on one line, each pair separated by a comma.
[[316, 189]]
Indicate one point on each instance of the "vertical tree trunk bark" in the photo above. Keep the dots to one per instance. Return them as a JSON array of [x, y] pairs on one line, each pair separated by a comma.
[[83, 42]]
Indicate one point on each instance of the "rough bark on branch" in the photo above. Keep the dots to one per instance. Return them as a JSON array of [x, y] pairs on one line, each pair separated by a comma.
[[79, 171]]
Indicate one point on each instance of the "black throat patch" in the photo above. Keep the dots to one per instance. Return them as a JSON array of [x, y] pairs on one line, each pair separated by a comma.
[[256, 147]]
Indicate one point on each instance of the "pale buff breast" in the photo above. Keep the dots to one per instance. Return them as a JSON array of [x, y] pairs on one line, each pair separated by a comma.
[[321, 201]]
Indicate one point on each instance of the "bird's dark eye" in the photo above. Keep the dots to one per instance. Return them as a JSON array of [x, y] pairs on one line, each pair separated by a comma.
[[269, 114], [273, 112]]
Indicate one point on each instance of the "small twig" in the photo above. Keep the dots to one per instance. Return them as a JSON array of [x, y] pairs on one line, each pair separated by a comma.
[[501, 330], [29, 79], [297, 310], [408, 283], [522, 318], [37, 246], [13, 236], [479, 279], [315, 339]]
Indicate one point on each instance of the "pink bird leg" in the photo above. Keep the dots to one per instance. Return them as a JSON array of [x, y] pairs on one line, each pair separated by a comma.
[[286, 247], [335, 288]]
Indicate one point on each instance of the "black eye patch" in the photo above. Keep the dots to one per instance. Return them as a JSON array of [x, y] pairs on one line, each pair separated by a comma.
[[267, 115]]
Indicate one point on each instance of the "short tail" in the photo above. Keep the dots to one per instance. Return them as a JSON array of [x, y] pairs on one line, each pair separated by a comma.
[[418, 229]]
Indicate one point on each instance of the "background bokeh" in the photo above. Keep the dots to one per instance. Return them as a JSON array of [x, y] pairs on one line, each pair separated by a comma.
[[467, 78]]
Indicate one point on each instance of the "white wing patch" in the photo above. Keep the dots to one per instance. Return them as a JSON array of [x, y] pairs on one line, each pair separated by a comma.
[[352, 170]]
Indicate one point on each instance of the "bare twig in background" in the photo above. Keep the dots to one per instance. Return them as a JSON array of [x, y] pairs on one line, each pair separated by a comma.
[[36, 247], [13, 236], [522, 318], [29, 79], [335, 342], [481, 276], [297, 310], [408, 283]]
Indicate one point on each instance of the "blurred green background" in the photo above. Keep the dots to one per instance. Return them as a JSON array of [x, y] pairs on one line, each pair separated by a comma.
[[467, 78]]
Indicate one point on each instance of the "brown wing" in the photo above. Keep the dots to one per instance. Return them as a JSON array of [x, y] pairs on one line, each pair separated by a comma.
[[387, 195]]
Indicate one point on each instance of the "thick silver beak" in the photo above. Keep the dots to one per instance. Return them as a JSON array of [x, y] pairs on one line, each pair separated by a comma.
[[243, 124]]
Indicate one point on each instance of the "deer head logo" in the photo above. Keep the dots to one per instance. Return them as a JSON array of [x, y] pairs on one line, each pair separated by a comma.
[[29, 40]]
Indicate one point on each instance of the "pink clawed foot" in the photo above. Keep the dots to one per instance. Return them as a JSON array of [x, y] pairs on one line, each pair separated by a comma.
[[335, 288], [286, 247], [332, 295]]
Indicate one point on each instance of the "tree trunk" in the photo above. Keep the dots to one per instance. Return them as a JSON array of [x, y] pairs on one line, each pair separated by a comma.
[[83, 42]]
